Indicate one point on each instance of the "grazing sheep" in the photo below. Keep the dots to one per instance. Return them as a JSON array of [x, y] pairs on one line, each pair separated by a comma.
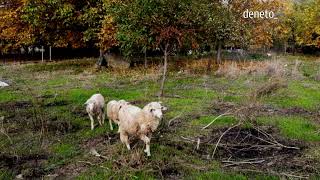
[[95, 108], [140, 123], [3, 84], [113, 108]]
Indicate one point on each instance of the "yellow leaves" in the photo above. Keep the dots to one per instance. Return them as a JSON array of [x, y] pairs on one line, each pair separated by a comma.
[[308, 20], [12, 30], [107, 36]]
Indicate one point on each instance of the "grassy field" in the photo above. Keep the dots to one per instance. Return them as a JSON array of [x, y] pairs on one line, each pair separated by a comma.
[[270, 130]]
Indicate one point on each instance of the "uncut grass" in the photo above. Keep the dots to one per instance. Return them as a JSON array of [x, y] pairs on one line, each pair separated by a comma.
[[77, 83]]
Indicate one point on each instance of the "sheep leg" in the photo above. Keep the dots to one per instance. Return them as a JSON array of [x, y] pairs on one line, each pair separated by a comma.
[[92, 121], [146, 140], [124, 138], [110, 123], [99, 120], [103, 115]]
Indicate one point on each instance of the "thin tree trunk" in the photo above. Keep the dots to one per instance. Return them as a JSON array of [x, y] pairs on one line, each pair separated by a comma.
[[285, 47], [165, 66], [219, 52], [294, 42], [145, 58], [209, 65], [101, 53], [210, 61]]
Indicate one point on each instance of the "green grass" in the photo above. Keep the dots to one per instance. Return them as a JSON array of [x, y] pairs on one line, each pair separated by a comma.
[[5, 174], [218, 176], [189, 99], [222, 121], [9, 95], [64, 150], [304, 95], [294, 127]]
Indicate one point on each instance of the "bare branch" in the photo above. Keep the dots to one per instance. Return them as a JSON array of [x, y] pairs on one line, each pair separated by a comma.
[[216, 119], [214, 151]]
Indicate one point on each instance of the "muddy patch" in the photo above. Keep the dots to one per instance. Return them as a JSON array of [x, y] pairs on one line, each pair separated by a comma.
[[221, 107], [12, 106], [105, 139], [171, 172], [30, 166], [101, 145], [79, 111], [61, 126], [259, 148], [56, 103]]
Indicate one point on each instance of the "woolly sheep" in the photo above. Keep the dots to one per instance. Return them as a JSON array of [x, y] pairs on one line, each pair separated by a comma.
[[113, 108], [140, 123], [95, 108]]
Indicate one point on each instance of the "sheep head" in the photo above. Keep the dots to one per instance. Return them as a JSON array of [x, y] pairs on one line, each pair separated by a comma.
[[122, 103], [155, 108]]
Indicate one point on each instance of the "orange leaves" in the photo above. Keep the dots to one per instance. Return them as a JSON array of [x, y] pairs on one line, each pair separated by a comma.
[[13, 32], [107, 36], [167, 34]]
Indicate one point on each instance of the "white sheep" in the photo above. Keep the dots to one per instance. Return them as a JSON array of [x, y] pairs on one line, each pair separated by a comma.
[[95, 108], [113, 108], [140, 123]]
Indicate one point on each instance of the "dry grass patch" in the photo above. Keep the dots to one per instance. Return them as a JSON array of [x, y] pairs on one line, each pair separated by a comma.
[[265, 68]]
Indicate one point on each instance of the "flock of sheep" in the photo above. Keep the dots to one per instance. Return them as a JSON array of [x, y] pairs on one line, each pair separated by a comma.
[[132, 120]]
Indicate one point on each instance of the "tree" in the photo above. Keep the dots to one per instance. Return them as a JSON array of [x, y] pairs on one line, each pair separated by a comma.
[[53, 22], [93, 19], [308, 28], [13, 32], [263, 31], [222, 26], [165, 24], [284, 30]]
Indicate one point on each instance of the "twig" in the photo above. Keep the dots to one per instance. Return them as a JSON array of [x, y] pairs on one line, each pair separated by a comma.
[[216, 119], [104, 167], [214, 151], [95, 153], [87, 162], [169, 123], [188, 139], [294, 176], [275, 142], [3, 131], [7, 136], [234, 163], [198, 144]]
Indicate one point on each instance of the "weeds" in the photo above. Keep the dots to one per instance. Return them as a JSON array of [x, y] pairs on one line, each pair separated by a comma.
[[43, 114], [265, 68]]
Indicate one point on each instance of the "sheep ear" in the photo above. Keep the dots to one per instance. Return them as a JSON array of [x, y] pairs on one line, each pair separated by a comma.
[[163, 108]]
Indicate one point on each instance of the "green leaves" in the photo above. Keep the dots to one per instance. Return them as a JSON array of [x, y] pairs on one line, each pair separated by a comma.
[[308, 23], [140, 25]]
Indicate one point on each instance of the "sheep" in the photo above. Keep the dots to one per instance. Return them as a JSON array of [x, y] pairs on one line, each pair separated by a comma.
[[140, 123], [95, 108], [113, 108]]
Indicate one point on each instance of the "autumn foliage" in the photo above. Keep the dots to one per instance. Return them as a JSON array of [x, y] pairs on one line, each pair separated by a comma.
[[135, 26]]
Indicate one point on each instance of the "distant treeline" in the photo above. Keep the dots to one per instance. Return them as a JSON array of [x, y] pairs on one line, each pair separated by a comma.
[[138, 27]]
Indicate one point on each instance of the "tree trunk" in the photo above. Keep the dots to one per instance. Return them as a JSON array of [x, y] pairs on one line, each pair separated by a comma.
[[219, 52], [294, 42], [165, 66], [209, 65], [145, 58], [285, 47]]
